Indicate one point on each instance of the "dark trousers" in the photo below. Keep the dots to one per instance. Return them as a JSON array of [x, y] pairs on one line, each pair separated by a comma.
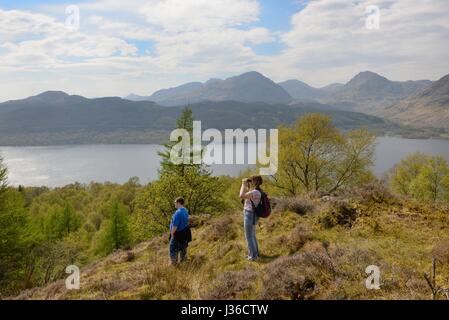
[[178, 250]]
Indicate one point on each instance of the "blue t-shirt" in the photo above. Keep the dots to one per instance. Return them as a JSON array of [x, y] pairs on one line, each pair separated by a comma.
[[180, 219]]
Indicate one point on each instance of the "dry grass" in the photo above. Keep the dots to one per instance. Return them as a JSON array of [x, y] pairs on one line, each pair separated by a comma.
[[304, 256], [232, 285]]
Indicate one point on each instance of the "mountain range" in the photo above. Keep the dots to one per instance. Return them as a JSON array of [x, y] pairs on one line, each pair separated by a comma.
[[250, 100], [248, 87], [427, 108], [55, 118], [366, 92], [369, 92]]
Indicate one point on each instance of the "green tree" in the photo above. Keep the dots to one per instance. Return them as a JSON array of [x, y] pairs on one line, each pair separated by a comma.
[[314, 156], [12, 227], [202, 192], [70, 221], [154, 205], [115, 234], [432, 182], [405, 172], [422, 177], [185, 121], [3, 176], [60, 222]]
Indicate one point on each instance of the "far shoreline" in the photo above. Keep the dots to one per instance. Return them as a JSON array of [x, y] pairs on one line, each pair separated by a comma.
[[159, 142]]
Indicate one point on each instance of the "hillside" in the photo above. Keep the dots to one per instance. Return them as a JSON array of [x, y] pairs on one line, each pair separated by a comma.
[[55, 118], [428, 108], [312, 249], [301, 91], [369, 92], [366, 92], [248, 87]]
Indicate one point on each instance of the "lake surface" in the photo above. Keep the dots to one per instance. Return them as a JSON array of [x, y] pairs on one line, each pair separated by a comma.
[[62, 165]]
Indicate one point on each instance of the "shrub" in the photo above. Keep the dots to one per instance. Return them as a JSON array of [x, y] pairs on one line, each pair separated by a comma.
[[298, 238], [293, 204], [375, 192], [288, 278], [220, 229], [339, 213], [441, 251], [231, 285]]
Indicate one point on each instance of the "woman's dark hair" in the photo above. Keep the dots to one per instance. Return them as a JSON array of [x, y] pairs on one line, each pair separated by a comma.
[[180, 201], [257, 181]]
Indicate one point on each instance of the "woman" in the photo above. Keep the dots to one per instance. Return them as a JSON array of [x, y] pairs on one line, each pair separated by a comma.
[[251, 199]]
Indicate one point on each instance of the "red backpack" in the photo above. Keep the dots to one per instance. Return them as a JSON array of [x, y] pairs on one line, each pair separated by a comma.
[[263, 209]]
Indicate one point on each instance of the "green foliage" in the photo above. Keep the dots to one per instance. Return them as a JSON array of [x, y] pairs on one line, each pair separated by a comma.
[[432, 183], [12, 223], [115, 234], [185, 122], [202, 192], [3, 176], [61, 222], [405, 172], [154, 206], [315, 156], [425, 178]]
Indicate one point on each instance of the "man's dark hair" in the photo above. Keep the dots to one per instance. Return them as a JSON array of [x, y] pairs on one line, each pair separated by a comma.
[[180, 200]]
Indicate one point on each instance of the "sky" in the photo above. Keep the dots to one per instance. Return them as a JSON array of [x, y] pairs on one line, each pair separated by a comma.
[[140, 46]]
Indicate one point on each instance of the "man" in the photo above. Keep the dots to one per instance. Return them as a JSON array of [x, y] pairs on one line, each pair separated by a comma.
[[180, 235]]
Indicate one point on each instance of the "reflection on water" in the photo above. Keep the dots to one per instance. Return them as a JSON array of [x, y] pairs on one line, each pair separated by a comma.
[[58, 166]]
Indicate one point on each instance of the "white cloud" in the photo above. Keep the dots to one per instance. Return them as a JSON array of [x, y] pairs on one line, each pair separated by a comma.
[[329, 41], [15, 22], [125, 30], [182, 15], [188, 39], [193, 40]]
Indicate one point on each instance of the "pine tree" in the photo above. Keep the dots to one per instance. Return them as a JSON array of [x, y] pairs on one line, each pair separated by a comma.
[[12, 222], [185, 121], [61, 222], [116, 233], [70, 222], [202, 192], [3, 176]]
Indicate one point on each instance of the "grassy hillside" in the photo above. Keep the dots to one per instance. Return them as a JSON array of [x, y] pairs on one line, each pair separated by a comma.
[[312, 249]]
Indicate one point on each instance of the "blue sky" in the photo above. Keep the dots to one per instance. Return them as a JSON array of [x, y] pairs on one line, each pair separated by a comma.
[[274, 15], [141, 46]]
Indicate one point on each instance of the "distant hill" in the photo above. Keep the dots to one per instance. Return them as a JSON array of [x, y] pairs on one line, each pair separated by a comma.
[[428, 108], [135, 97], [248, 87], [301, 91], [176, 96], [333, 88], [55, 118], [369, 92]]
